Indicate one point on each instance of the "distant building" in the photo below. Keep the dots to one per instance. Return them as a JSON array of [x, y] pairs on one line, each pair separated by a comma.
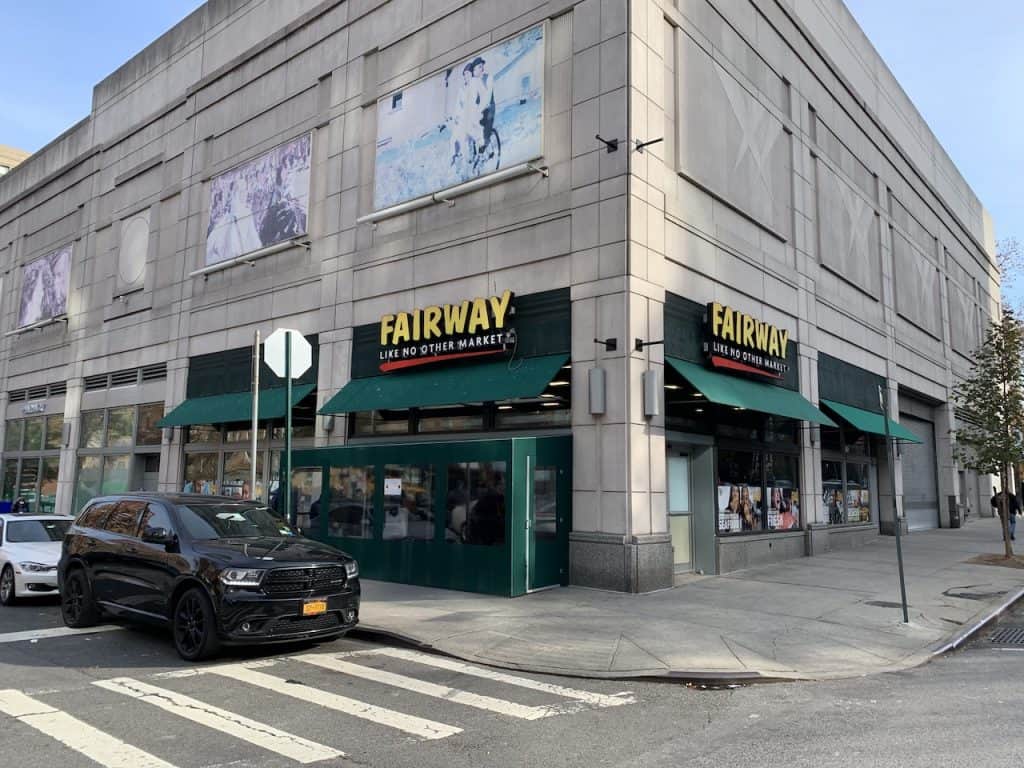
[[10, 157]]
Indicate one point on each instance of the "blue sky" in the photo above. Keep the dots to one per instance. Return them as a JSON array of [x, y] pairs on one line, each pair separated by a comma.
[[960, 62]]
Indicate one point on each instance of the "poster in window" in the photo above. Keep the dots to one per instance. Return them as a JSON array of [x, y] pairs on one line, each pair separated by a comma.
[[739, 508], [481, 115], [44, 289], [783, 508], [259, 203]]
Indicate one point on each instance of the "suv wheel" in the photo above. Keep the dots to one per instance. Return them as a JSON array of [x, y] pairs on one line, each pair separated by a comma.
[[7, 596], [77, 607], [195, 626]]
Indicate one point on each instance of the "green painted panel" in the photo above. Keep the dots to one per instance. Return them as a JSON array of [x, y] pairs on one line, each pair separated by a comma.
[[222, 409]]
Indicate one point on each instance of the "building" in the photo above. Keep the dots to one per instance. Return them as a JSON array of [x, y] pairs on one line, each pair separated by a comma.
[[10, 157], [598, 292]]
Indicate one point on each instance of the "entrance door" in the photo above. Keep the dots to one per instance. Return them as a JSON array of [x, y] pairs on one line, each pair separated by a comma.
[[920, 478], [548, 475], [680, 524]]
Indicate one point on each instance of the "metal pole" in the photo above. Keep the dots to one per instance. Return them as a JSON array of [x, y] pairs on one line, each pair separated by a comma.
[[255, 412], [288, 512], [883, 398]]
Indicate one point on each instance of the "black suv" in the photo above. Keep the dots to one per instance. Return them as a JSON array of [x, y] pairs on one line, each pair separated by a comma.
[[218, 570]]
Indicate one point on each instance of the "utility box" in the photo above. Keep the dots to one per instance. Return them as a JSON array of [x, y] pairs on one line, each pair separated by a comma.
[[955, 516]]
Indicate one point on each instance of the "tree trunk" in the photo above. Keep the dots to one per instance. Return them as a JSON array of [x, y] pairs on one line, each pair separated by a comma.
[[1005, 513]]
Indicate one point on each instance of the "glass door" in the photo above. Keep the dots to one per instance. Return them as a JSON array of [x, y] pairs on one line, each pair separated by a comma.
[[548, 493], [679, 511]]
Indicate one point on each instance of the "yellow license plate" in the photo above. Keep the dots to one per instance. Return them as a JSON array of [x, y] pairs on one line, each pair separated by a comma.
[[315, 608]]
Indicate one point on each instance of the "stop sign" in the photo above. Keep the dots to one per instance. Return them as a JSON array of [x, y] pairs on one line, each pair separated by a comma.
[[273, 353]]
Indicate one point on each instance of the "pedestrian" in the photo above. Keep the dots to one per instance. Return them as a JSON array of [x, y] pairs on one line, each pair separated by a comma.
[[1012, 507], [20, 506]]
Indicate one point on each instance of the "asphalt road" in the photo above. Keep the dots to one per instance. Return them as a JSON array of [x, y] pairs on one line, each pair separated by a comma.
[[124, 697]]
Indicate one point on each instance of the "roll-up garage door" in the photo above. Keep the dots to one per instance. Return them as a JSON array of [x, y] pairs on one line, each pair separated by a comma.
[[920, 481]]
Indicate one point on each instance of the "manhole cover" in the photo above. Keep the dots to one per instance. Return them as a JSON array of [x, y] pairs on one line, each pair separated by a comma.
[[1008, 636]]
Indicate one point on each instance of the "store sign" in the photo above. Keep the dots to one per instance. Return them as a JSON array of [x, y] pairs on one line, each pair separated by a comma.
[[739, 342], [472, 328], [34, 408]]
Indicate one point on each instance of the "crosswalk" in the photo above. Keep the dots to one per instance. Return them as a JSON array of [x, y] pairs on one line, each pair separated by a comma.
[[415, 678]]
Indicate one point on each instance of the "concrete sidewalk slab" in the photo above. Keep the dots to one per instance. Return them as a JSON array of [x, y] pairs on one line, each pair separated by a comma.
[[828, 616]]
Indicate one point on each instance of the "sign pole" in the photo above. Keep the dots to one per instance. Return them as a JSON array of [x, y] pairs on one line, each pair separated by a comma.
[[255, 412], [883, 398], [288, 428]]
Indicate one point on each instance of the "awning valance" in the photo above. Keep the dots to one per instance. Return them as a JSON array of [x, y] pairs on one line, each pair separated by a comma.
[[867, 421], [752, 395], [236, 406], [504, 380]]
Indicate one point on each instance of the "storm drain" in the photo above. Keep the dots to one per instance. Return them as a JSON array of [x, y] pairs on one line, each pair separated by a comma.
[[1007, 636]]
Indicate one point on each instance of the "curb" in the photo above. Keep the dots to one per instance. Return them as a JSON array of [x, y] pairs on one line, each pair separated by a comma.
[[976, 623]]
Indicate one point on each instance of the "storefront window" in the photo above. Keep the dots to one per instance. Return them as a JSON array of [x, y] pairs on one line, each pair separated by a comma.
[[10, 478], [545, 502], [54, 432], [48, 484], [833, 507], [203, 433], [201, 473], [92, 429], [468, 419], [90, 474], [148, 433], [475, 506], [12, 437], [307, 490], [783, 482], [116, 474], [27, 480], [858, 493], [238, 474], [368, 423], [543, 415], [33, 434], [740, 505], [352, 492], [408, 502], [120, 426]]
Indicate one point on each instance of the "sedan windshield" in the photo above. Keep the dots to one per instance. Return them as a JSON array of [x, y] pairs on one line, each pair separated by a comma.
[[24, 531], [231, 521]]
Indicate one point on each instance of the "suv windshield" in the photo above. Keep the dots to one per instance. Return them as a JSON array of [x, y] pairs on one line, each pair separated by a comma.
[[37, 530], [231, 521]]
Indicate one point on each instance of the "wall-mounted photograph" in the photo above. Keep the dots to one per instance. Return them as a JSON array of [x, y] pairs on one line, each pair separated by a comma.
[[44, 289], [259, 203], [481, 115]]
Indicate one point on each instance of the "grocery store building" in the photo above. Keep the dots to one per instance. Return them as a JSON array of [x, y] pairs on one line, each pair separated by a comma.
[[599, 293]]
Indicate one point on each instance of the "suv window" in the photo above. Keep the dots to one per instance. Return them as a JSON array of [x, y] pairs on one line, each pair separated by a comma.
[[94, 516], [155, 516], [1, 533], [124, 519]]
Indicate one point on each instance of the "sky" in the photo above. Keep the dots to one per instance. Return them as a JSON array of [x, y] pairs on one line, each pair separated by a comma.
[[959, 60]]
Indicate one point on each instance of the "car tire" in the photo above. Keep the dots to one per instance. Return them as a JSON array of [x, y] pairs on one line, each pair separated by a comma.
[[8, 587], [77, 606], [194, 626]]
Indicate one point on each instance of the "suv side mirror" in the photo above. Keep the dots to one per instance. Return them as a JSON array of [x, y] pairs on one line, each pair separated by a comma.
[[160, 536]]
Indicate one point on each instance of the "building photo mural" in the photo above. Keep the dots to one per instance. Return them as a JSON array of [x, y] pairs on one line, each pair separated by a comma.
[[44, 289], [260, 203], [482, 114]]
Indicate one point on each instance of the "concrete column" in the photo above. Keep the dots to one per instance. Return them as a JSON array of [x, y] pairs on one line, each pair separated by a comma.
[[67, 475], [948, 477], [171, 450], [885, 487]]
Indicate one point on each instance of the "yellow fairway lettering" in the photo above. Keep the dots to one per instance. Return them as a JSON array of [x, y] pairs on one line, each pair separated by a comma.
[[401, 332], [727, 328], [415, 325], [478, 319], [716, 319], [387, 323], [748, 331], [783, 342], [499, 307], [762, 337], [455, 317], [431, 322]]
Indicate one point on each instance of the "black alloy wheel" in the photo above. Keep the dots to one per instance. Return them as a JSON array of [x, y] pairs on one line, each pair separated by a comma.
[[77, 607], [194, 626], [7, 596]]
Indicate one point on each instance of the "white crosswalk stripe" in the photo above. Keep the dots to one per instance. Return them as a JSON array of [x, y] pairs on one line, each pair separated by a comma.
[[417, 726], [425, 688], [91, 742], [252, 731], [452, 665]]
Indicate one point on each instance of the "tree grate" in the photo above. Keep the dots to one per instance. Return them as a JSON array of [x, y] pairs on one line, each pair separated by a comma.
[[1008, 636]]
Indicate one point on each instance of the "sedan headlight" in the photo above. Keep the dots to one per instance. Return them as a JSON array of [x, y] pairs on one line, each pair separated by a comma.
[[351, 569], [242, 577], [31, 567]]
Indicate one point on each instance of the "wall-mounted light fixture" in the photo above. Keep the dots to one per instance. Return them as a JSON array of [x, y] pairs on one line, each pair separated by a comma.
[[652, 392], [596, 386], [611, 144], [610, 345]]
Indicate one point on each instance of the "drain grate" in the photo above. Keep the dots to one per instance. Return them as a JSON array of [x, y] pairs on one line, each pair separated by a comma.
[[1008, 636]]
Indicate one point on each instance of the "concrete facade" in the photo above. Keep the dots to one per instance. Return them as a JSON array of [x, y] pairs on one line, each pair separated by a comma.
[[794, 179]]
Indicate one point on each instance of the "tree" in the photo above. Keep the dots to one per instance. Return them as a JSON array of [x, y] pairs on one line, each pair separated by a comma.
[[990, 439]]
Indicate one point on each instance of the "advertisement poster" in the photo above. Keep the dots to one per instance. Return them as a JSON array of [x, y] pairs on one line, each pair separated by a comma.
[[739, 508], [44, 289], [858, 505], [259, 203], [832, 506], [481, 115], [783, 508]]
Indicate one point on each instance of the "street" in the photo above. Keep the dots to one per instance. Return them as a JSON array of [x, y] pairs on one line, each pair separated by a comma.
[[121, 697]]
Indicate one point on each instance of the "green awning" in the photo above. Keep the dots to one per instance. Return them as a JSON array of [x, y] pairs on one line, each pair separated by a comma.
[[740, 393], [867, 421], [504, 380], [237, 406]]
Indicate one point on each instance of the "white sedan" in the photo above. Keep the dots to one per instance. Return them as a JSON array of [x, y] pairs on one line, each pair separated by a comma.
[[29, 551]]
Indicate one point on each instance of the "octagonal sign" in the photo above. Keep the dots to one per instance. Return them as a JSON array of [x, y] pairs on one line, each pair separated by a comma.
[[273, 352]]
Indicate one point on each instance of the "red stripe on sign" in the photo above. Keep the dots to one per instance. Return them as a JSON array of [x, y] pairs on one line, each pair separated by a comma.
[[398, 365], [722, 362]]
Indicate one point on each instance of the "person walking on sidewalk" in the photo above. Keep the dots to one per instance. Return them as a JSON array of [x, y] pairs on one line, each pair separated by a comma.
[[1012, 508]]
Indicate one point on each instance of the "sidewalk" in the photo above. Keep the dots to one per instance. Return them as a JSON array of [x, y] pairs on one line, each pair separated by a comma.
[[834, 615]]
